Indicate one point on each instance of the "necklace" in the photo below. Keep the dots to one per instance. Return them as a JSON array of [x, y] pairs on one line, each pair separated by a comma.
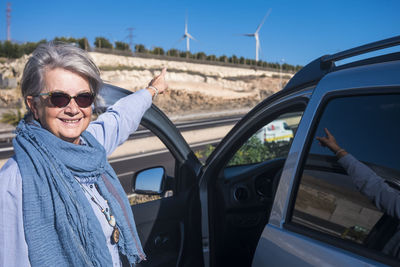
[[106, 211]]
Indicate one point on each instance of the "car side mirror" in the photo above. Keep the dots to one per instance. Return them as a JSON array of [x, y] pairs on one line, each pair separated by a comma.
[[150, 181]]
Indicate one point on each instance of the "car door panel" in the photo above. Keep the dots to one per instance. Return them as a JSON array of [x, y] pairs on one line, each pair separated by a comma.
[[159, 226], [169, 240], [297, 250], [246, 192]]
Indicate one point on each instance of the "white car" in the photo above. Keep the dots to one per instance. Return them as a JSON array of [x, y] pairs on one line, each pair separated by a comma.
[[275, 131]]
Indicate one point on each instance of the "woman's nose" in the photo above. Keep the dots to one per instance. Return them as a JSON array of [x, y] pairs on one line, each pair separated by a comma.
[[72, 107]]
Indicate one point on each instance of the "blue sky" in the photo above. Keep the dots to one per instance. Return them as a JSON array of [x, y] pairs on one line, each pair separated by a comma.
[[296, 31]]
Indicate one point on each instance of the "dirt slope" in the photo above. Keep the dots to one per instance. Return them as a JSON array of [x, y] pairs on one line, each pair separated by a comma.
[[192, 87]]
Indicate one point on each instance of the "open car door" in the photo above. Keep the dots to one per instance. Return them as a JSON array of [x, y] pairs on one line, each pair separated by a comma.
[[168, 221]]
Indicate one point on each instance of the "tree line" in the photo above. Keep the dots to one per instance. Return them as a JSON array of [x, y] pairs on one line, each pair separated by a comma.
[[14, 50], [139, 48]]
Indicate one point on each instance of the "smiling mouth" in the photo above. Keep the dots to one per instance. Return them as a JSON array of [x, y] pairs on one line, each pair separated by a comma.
[[70, 121]]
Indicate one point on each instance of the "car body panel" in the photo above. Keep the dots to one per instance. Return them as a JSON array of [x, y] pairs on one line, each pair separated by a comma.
[[335, 82], [375, 78], [291, 249]]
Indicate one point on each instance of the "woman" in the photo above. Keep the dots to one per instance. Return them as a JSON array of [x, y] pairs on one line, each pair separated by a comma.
[[61, 203]]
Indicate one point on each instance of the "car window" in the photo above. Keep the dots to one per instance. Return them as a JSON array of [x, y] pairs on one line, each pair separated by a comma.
[[141, 151], [327, 199], [271, 141]]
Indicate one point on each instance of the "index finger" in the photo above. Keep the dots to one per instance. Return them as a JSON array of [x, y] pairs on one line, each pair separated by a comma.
[[163, 71], [328, 133]]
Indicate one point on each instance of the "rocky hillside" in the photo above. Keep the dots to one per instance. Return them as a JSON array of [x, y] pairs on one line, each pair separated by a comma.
[[192, 87]]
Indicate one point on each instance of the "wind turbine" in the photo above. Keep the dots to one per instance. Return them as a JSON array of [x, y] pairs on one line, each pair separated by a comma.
[[255, 34], [187, 36]]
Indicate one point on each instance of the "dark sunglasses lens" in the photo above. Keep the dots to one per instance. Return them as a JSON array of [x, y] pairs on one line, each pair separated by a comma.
[[59, 99], [84, 100]]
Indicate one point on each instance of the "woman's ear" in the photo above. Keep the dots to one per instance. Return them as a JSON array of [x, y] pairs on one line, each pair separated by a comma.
[[32, 104]]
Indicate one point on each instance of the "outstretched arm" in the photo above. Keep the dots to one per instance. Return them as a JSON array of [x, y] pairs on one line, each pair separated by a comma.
[[386, 198], [113, 127]]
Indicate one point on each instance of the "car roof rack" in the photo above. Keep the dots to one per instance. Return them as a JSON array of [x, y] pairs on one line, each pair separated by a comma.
[[318, 68]]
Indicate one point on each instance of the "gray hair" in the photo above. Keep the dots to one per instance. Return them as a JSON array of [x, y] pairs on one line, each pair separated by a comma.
[[51, 55]]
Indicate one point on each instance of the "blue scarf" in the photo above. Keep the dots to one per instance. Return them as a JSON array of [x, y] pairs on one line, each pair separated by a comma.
[[60, 226]]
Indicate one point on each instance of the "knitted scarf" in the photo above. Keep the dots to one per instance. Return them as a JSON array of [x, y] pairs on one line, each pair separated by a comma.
[[60, 226]]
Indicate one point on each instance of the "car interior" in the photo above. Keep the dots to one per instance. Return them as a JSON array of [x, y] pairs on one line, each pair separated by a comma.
[[245, 191]]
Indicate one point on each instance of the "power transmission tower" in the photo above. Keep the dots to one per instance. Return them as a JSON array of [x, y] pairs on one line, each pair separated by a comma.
[[130, 37], [8, 16]]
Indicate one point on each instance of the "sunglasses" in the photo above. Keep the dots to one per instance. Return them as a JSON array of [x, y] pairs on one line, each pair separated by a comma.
[[61, 100]]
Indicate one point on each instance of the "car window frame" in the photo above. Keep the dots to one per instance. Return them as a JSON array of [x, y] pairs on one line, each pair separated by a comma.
[[291, 106], [228, 147], [346, 245], [260, 125]]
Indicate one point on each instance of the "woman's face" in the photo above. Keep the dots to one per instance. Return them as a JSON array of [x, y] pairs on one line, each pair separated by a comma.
[[70, 121]]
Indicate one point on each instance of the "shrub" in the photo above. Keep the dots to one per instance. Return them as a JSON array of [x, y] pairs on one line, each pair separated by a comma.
[[101, 42], [12, 117], [122, 46]]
